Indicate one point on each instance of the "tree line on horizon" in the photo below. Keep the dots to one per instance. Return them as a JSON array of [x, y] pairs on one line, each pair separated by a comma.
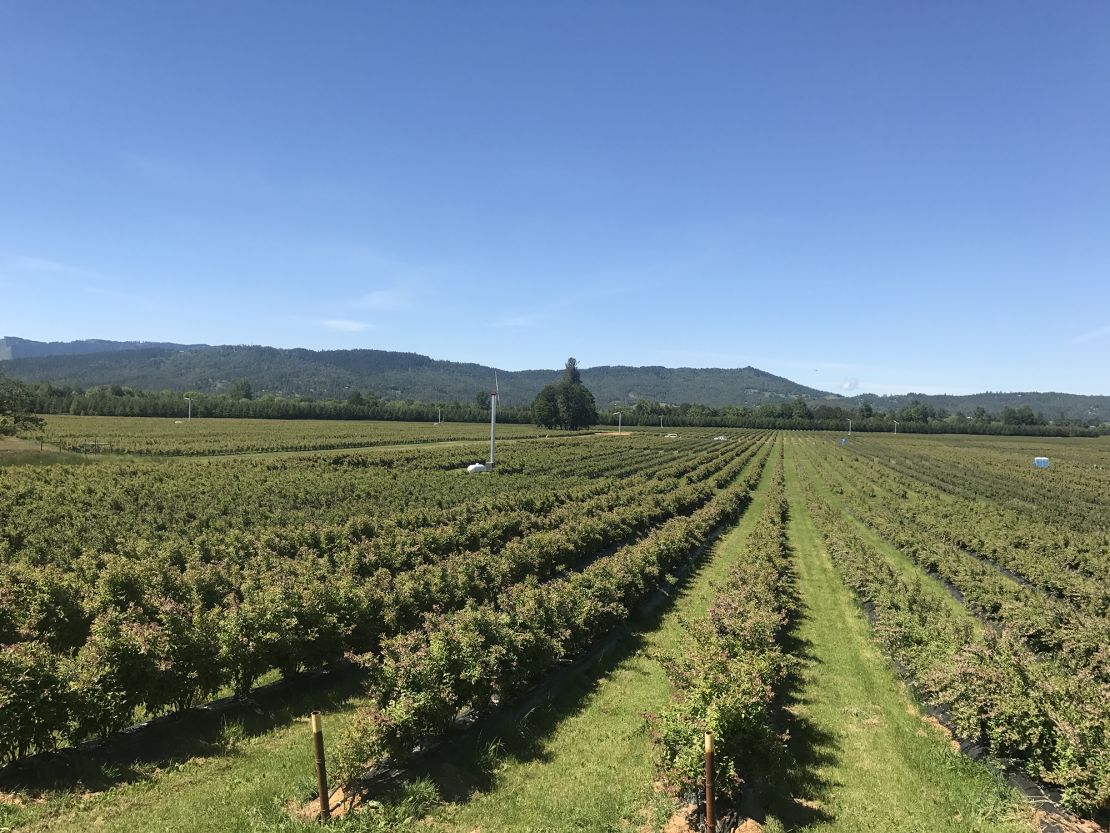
[[567, 403]]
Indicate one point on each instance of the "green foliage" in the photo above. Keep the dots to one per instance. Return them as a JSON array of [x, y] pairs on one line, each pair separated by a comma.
[[114, 673], [153, 587], [1021, 416], [43, 604], [460, 663], [191, 667], [284, 381], [334, 374], [241, 390], [204, 436], [283, 622], [571, 373], [1046, 711], [545, 408], [566, 404], [34, 700], [17, 403], [128, 589], [1058, 611], [730, 667], [400, 808]]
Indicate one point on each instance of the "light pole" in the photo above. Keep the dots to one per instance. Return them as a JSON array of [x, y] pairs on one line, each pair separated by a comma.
[[895, 426], [618, 422], [660, 420], [849, 428], [189, 399]]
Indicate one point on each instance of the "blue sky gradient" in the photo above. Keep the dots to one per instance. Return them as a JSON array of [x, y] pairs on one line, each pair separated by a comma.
[[877, 197]]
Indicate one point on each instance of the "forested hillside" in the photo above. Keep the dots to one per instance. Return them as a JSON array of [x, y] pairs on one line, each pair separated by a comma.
[[389, 375], [22, 348], [395, 376]]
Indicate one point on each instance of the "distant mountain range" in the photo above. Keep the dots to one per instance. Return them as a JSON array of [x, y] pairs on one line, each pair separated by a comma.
[[392, 375], [22, 348]]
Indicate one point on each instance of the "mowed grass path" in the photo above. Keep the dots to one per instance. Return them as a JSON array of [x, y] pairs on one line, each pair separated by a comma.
[[864, 758]]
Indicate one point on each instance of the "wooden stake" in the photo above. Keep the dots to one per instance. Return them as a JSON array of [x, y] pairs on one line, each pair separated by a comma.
[[708, 783], [321, 770]]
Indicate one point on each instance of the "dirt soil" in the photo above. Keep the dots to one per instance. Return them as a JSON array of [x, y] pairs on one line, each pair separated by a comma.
[[310, 810], [685, 821], [681, 821]]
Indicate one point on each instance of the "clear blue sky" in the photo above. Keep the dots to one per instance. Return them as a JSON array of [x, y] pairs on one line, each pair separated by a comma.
[[859, 196]]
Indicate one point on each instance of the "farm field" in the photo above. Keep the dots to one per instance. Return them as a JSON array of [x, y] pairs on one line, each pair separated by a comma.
[[986, 589], [180, 437], [804, 599]]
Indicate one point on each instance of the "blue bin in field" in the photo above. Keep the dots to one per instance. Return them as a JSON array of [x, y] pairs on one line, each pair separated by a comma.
[[1040, 462]]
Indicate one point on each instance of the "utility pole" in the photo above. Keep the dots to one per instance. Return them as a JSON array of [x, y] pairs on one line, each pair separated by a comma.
[[895, 426], [618, 422], [189, 399], [849, 428]]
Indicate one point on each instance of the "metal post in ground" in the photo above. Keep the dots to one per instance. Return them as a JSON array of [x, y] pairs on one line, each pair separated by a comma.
[[708, 783], [321, 770]]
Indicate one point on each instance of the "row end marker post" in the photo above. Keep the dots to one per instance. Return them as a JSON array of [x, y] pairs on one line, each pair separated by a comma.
[[708, 782], [321, 770]]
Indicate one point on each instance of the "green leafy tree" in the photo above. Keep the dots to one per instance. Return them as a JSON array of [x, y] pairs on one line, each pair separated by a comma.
[[566, 404], [241, 390], [17, 401], [1021, 416], [918, 411], [647, 407], [576, 407], [800, 410], [545, 409]]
